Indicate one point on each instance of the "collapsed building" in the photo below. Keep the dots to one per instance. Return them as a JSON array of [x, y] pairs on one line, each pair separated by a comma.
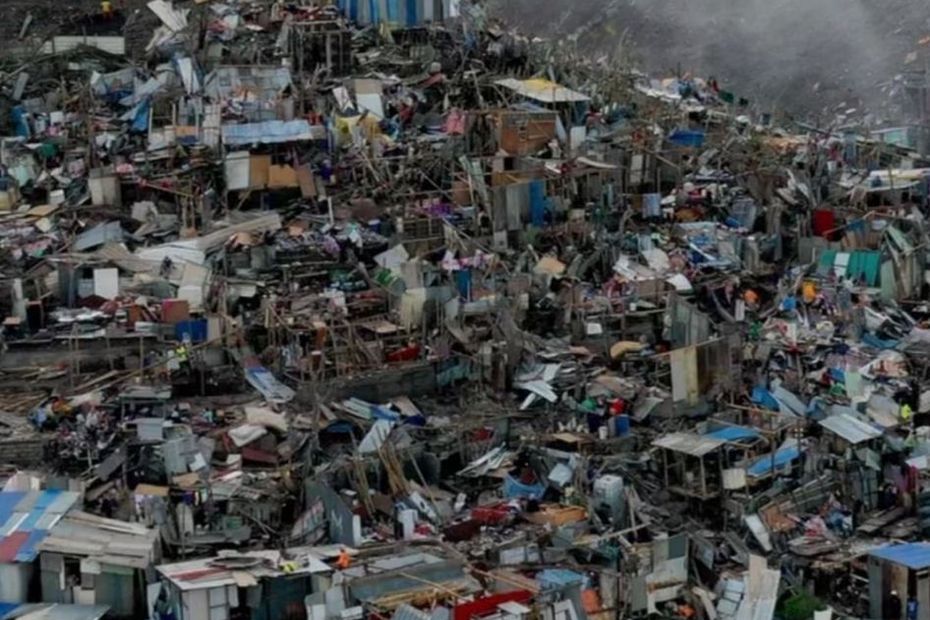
[[342, 310]]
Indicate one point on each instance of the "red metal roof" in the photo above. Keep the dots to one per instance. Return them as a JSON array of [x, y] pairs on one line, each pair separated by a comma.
[[10, 545]]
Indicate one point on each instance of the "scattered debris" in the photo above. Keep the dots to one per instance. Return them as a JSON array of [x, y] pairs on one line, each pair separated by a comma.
[[345, 311]]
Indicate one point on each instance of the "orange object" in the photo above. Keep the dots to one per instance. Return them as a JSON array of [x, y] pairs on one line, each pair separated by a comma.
[[809, 291], [591, 601], [751, 297], [344, 560]]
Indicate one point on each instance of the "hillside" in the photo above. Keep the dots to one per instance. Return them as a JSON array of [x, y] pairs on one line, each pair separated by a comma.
[[806, 56]]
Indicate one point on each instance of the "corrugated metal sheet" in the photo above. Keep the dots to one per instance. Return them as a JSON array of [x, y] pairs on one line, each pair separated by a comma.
[[542, 90], [851, 429], [110, 541], [12, 523], [55, 611], [406, 612], [685, 380], [27, 518], [9, 546], [109, 232], [412, 578], [913, 555], [29, 550], [688, 443], [264, 83], [112, 45], [407, 13], [61, 504], [8, 503], [267, 132]]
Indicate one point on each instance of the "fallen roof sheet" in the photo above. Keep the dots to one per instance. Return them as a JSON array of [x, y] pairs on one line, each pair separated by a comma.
[[689, 443], [412, 578], [174, 19], [761, 591], [733, 433], [209, 573], [109, 541], [54, 611], [262, 81], [542, 90], [764, 465], [849, 428], [267, 132]]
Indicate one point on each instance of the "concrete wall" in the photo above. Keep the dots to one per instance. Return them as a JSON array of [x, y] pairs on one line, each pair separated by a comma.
[[14, 582]]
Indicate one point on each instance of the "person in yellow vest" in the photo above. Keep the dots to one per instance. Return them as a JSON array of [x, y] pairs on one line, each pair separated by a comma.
[[183, 356], [809, 292], [906, 413]]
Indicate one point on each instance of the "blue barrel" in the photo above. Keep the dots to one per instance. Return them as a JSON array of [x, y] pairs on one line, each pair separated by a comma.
[[621, 425]]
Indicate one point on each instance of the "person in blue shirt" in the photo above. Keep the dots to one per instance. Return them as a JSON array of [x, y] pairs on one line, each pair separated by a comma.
[[911, 608]]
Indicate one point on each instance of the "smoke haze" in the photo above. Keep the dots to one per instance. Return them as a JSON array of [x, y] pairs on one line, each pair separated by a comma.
[[806, 56]]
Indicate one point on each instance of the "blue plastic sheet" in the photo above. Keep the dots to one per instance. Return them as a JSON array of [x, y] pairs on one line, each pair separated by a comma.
[[463, 283], [538, 203], [514, 489], [762, 396], [733, 433], [875, 342], [19, 121], [783, 458], [689, 138], [194, 329], [558, 578]]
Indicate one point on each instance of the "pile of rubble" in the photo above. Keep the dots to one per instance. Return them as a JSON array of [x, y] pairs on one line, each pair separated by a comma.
[[357, 309]]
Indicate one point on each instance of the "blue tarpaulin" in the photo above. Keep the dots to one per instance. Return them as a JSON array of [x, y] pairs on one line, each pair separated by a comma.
[[380, 413], [870, 339], [341, 427], [413, 15], [6, 608], [685, 137], [762, 396], [733, 433], [763, 465], [408, 13], [140, 120], [513, 489], [195, 329], [265, 382], [537, 203], [463, 283], [19, 121]]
